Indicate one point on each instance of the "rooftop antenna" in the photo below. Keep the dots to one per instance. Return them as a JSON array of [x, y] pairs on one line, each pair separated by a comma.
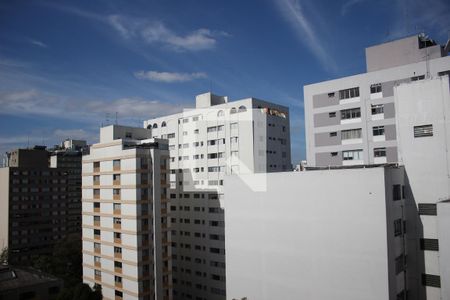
[[107, 119]]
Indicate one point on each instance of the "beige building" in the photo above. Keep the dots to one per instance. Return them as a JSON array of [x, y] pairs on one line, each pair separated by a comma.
[[126, 237]]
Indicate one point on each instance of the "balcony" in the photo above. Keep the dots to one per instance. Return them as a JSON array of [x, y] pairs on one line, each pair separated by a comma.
[[116, 167], [97, 196], [117, 211], [118, 270], [96, 182], [116, 196], [96, 168], [97, 264], [118, 285], [117, 240], [96, 236], [118, 297], [97, 250], [98, 277], [164, 211], [118, 255], [116, 182], [117, 226], [97, 209], [96, 222]]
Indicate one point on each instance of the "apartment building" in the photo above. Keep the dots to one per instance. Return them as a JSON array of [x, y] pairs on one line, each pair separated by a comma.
[[352, 120], [423, 137], [40, 204], [318, 234], [126, 237], [215, 138]]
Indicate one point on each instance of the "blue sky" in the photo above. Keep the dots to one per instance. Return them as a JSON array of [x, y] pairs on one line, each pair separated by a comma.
[[65, 65]]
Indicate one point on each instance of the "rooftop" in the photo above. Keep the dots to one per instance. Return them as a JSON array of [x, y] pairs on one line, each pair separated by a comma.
[[13, 278]]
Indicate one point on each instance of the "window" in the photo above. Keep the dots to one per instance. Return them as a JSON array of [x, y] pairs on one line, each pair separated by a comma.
[[423, 130], [97, 259], [397, 192], [351, 113], [349, 93], [375, 88], [116, 206], [398, 227], [155, 125], [234, 126], [399, 264], [377, 109], [163, 124], [330, 95], [427, 209], [195, 119], [171, 135], [333, 134], [379, 152], [116, 164], [118, 293], [333, 153], [117, 220], [128, 135], [118, 279], [234, 140], [431, 280], [420, 77], [220, 113], [352, 155], [186, 120], [211, 129], [443, 73], [242, 108], [233, 110], [97, 205], [332, 114], [351, 134], [117, 250], [429, 244], [97, 246]]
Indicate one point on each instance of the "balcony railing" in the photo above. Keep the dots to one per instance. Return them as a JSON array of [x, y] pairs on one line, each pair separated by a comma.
[[96, 209], [97, 264], [117, 240], [96, 223], [117, 211], [118, 284], [96, 236], [96, 196], [97, 250], [98, 277], [117, 270], [116, 196], [117, 255], [117, 226], [116, 182]]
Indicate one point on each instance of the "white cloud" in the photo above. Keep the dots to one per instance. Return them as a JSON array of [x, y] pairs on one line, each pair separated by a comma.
[[169, 77], [33, 102], [156, 32], [293, 12], [38, 43]]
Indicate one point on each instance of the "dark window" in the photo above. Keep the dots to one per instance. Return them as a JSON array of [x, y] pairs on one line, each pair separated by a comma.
[[375, 88], [379, 152], [429, 244], [399, 264], [420, 77], [397, 192], [431, 280], [443, 73], [351, 113], [423, 130], [427, 209], [398, 227], [330, 95], [349, 93], [333, 133], [332, 114], [334, 153], [118, 293]]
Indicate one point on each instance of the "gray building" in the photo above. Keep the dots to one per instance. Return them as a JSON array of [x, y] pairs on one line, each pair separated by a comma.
[[40, 201], [352, 120]]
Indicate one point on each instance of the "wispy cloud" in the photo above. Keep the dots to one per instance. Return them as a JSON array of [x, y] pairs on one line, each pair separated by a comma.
[[152, 31], [294, 13], [38, 43], [33, 102], [348, 5], [414, 16], [169, 77]]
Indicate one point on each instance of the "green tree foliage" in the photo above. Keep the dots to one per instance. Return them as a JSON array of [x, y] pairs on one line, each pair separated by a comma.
[[4, 256]]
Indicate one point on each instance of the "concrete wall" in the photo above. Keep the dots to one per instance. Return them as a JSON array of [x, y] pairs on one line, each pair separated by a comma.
[[299, 240]]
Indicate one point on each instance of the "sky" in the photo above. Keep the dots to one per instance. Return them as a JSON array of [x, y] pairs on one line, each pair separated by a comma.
[[66, 67]]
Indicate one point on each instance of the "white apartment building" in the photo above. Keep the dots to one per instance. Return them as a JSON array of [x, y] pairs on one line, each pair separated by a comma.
[[126, 236], [320, 234], [215, 138], [351, 120], [423, 136]]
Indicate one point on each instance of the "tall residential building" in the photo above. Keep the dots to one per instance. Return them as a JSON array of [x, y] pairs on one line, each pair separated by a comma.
[[216, 138], [352, 120], [423, 137], [126, 237], [40, 204], [319, 234]]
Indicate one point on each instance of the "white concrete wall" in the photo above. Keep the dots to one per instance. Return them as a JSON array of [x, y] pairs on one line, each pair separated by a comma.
[[310, 235]]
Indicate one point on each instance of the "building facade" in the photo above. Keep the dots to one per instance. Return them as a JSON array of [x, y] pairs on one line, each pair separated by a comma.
[[216, 138], [352, 120], [423, 136], [40, 204], [126, 236], [318, 234]]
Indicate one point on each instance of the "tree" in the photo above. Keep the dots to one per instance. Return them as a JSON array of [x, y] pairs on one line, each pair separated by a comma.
[[4, 256], [81, 291]]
